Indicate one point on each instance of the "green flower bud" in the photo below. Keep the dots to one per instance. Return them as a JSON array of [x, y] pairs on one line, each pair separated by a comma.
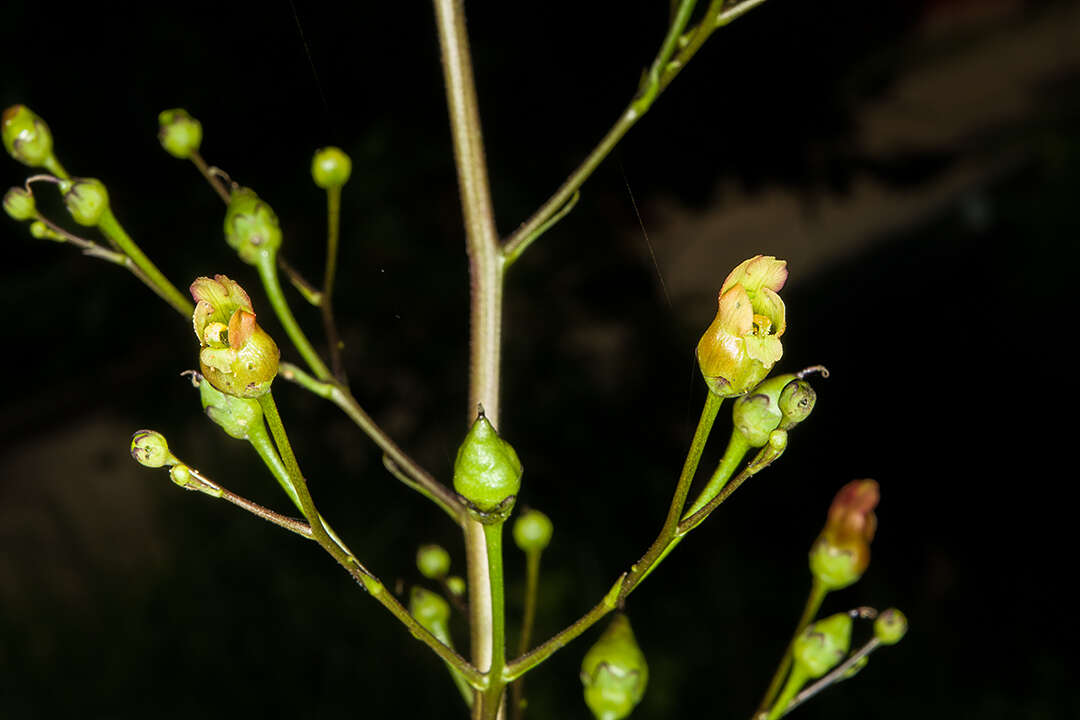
[[41, 231], [758, 413], [86, 199], [251, 227], [614, 672], [487, 472], [188, 479], [234, 414], [430, 610], [742, 343], [456, 585], [797, 401], [330, 167], [237, 356], [841, 553], [532, 531], [149, 448], [26, 137], [19, 204], [821, 646], [890, 626], [179, 133], [433, 561]]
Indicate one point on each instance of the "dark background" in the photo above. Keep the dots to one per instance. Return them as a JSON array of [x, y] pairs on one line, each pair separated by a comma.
[[918, 163]]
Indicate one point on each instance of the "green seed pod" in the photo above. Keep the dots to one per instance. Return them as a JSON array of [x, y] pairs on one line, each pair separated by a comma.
[[821, 646], [179, 133], [456, 585], [234, 414], [19, 204], [890, 626], [41, 231], [797, 401], [149, 448], [86, 199], [758, 413], [433, 561], [532, 531], [487, 471], [330, 167], [251, 227], [26, 137], [614, 672]]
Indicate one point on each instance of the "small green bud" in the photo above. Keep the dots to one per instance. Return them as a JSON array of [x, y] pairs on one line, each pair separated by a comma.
[[251, 227], [234, 414], [188, 479], [614, 672], [86, 199], [890, 626], [19, 204], [532, 531], [487, 471], [456, 585], [797, 401], [41, 231], [26, 137], [429, 609], [758, 413], [179, 133], [330, 167], [821, 646], [433, 561], [149, 448]]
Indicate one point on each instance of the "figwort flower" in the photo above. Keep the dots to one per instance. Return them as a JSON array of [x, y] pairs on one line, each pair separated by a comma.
[[841, 553]]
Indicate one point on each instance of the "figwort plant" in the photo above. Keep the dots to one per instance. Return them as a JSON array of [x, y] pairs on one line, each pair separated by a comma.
[[239, 363]]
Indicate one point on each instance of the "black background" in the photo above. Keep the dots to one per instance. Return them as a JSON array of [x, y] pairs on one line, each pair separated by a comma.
[[946, 337]]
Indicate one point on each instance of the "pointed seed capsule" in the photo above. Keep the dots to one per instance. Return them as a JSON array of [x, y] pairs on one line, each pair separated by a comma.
[[433, 561], [26, 137], [19, 204], [487, 471], [821, 646], [614, 672], [179, 133], [532, 531], [330, 167]]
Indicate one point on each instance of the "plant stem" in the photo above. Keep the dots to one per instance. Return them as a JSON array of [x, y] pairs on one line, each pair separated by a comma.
[[267, 267], [765, 457], [733, 456], [333, 231], [834, 676], [492, 697], [532, 584], [813, 604], [795, 681], [302, 285], [214, 180], [111, 228]]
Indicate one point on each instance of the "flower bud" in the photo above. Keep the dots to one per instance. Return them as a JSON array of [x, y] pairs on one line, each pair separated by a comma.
[[330, 167], [237, 356], [821, 646], [26, 137], [86, 199], [742, 343], [431, 611], [487, 471], [41, 231], [433, 561], [614, 672], [532, 531], [758, 413], [797, 401], [251, 227], [890, 626], [841, 553], [179, 133], [456, 585], [19, 204], [149, 448], [234, 414], [188, 479]]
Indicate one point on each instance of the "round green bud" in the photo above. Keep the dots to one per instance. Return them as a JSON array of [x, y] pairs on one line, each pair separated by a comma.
[[26, 137], [456, 585], [19, 204], [778, 440], [179, 133], [433, 561], [330, 167], [234, 414], [41, 231], [149, 448], [797, 401], [614, 672], [532, 531], [821, 646], [890, 626], [758, 413], [487, 471], [429, 609], [181, 475], [833, 566], [86, 199], [251, 227]]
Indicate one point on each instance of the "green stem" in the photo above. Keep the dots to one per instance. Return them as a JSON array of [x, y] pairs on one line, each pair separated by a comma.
[[532, 585], [765, 457], [309, 292], [733, 457], [214, 180], [111, 228], [333, 212], [267, 267], [813, 604], [492, 696], [795, 681], [840, 672], [647, 94]]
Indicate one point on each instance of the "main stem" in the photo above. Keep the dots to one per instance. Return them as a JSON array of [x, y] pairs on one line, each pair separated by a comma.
[[486, 274]]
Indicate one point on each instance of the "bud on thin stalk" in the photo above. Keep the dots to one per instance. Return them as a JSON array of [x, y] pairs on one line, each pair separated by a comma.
[[841, 553], [179, 133], [28, 139], [19, 204], [614, 672]]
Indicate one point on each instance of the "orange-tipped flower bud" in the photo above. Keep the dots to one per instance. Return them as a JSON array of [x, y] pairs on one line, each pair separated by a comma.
[[841, 553], [26, 137]]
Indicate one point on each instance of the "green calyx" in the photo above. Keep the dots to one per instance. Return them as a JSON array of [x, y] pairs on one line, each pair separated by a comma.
[[433, 561], [330, 168], [26, 137], [532, 531], [86, 199], [821, 646], [251, 226], [179, 133], [19, 204], [833, 566], [614, 672], [758, 413], [235, 415], [890, 627], [487, 471], [796, 402], [149, 448]]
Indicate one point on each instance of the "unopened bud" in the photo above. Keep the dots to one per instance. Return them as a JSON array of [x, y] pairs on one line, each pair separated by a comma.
[[433, 561], [149, 448], [19, 204], [532, 531], [26, 137], [758, 413], [86, 199], [41, 231], [841, 553], [821, 646], [456, 585], [330, 167], [179, 133], [487, 471], [430, 610], [614, 672], [890, 627], [251, 227], [797, 401]]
